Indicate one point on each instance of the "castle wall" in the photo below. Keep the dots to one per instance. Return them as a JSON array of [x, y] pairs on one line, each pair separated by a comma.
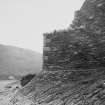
[[56, 50]]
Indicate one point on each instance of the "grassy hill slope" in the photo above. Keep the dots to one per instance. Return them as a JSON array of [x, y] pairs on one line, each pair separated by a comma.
[[18, 61]]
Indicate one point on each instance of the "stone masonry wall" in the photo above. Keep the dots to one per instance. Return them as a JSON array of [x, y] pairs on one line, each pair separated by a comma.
[[82, 45]]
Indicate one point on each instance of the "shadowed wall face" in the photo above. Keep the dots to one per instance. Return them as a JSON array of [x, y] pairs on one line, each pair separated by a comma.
[[82, 46]]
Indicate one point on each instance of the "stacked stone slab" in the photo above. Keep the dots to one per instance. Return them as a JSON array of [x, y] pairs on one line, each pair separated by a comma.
[[55, 50], [91, 16], [82, 45]]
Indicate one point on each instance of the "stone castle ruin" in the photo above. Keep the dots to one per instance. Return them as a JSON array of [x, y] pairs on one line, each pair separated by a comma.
[[82, 45]]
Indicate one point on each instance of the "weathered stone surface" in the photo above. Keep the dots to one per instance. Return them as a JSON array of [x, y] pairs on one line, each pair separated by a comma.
[[65, 88], [83, 47]]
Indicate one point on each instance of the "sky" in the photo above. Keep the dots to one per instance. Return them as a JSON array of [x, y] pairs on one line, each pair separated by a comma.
[[23, 22]]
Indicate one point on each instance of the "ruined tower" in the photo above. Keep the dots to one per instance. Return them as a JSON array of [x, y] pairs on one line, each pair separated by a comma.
[[82, 45]]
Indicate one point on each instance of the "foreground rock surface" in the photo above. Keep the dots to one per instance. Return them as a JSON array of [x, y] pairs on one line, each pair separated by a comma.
[[64, 88]]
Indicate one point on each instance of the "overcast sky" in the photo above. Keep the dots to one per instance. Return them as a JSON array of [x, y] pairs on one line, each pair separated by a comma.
[[23, 22]]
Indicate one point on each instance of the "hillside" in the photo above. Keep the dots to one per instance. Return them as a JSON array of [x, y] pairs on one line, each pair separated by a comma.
[[18, 61]]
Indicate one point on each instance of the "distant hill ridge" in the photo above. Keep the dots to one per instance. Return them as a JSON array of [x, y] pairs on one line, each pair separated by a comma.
[[19, 61]]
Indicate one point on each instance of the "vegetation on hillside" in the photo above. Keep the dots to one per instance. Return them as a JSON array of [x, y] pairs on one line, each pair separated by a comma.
[[26, 79]]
